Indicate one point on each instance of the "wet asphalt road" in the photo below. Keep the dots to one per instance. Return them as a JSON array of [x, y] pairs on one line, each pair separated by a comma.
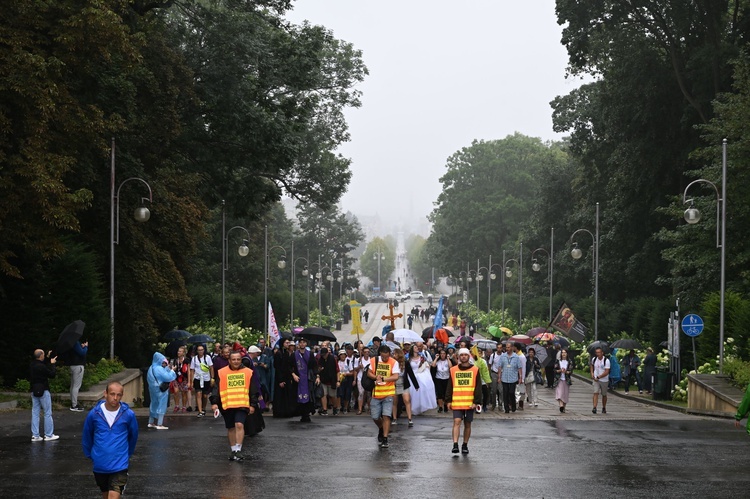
[[339, 457]]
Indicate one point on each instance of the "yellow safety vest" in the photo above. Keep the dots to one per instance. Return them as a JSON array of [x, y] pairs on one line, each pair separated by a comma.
[[234, 387], [464, 383], [383, 369]]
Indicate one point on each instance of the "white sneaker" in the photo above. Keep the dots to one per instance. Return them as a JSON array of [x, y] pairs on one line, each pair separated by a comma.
[[151, 425], [51, 437], [162, 427], [36, 439]]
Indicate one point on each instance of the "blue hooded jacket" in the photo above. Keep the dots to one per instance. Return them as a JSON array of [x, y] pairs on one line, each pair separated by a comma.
[[157, 374], [109, 448]]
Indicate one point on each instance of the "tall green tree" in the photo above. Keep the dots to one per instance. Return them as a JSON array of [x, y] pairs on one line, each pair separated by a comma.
[[385, 250], [488, 193]]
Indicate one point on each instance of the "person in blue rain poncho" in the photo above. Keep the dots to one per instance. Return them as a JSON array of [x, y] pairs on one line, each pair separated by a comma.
[[158, 373]]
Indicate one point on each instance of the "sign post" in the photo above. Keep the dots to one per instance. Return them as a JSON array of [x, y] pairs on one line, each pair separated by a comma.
[[692, 325]]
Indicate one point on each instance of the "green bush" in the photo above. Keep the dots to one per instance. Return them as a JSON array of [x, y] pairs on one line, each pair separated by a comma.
[[22, 386], [93, 374], [738, 371]]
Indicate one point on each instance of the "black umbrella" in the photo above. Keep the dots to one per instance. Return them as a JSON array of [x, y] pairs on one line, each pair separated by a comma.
[[598, 344], [316, 333], [171, 349], [70, 335], [177, 334], [564, 343], [627, 344], [286, 335], [200, 338]]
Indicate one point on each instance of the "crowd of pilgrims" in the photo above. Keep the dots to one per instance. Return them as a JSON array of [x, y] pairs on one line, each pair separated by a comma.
[[300, 380]]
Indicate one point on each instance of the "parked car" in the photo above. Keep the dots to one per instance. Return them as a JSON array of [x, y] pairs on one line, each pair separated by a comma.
[[416, 295]]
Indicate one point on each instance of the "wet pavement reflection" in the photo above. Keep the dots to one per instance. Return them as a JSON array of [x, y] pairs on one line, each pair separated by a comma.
[[339, 456]]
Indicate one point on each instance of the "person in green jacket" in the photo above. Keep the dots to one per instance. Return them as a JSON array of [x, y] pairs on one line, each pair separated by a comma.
[[742, 411], [484, 374]]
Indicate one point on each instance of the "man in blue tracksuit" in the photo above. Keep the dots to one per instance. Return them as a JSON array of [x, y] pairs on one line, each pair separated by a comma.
[[109, 436]]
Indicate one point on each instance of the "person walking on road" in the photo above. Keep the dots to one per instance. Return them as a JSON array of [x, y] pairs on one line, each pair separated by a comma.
[[532, 369], [600, 376], [384, 370], [203, 380], [235, 396], [110, 433], [496, 386], [510, 374], [77, 361], [631, 363], [306, 377], [563, 379], [40, 374], [649, 369], [464, 395]]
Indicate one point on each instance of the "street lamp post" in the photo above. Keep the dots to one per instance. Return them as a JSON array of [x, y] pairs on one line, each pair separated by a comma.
[[281, 264], [318, 277], [305, 272], [536, 267], [493, 276], [480, 278], [243, 251], [378, 255], [693, 216], [577, 253], [472, 276], [509, 273], [141, 214]]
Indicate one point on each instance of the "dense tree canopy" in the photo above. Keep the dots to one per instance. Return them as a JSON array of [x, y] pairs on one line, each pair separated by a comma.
[[208, 101]]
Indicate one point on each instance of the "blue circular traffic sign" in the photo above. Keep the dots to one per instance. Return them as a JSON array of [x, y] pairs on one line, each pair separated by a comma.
[[692, 325]]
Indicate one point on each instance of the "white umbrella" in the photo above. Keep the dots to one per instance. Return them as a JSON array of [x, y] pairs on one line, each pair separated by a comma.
[[406, 336]]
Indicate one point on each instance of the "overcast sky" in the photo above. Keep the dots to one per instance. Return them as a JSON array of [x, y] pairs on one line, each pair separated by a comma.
[[442, 73]]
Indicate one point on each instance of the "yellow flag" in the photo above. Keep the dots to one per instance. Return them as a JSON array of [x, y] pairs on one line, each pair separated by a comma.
[[356, 323]]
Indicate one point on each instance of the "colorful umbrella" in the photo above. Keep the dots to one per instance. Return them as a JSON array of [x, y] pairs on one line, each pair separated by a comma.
[[544, 337], [522, 338]]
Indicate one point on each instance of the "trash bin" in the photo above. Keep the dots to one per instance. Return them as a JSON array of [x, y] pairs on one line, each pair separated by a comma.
[[338, 325], [663, 383]]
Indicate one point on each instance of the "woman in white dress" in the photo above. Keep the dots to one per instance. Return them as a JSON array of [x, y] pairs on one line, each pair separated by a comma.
[[423, 398]]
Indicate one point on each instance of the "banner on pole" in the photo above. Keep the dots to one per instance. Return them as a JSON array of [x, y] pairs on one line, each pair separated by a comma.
[[273, 329], [356, 322], [565, 322]]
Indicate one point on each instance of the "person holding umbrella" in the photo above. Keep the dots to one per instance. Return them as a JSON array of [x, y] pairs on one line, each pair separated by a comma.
[[73, 352], [77, 363]]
